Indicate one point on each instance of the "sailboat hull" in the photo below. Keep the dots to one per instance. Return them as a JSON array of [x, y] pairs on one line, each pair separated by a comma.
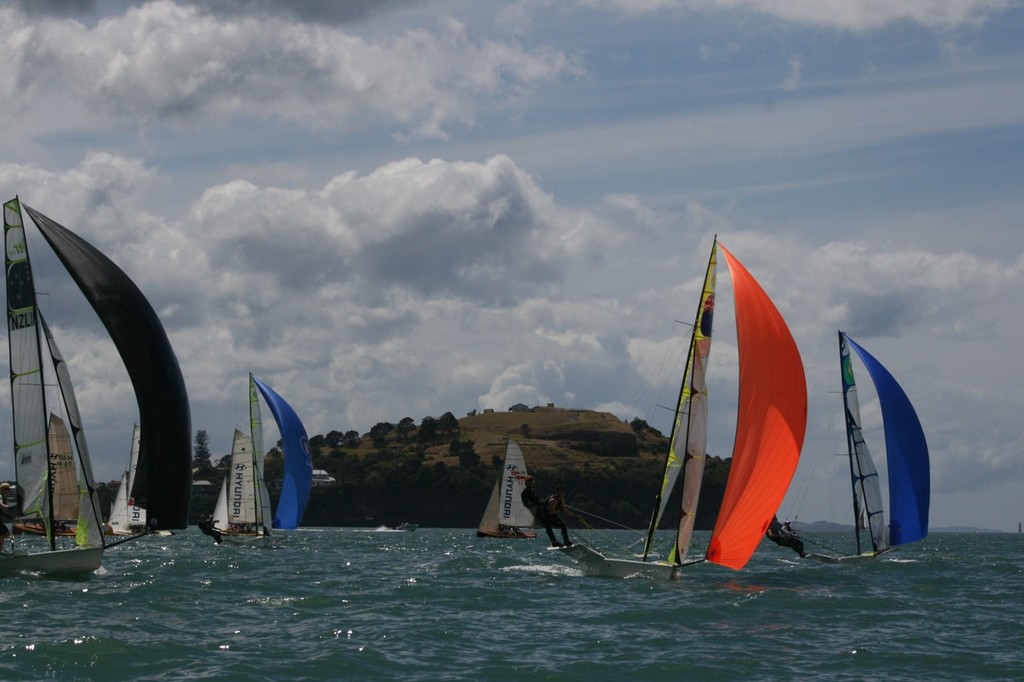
[[829, 559], [523, 535], [596, 565], [61, 562]]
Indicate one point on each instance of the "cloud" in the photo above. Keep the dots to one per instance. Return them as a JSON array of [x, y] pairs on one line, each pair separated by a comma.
[[848, 15], [144, 69]]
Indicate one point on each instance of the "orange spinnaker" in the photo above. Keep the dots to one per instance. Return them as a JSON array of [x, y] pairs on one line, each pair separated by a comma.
[[770, 424]]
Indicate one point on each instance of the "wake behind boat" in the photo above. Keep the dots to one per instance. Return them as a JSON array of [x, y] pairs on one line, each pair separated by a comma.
[[906, 458], [769, 434]]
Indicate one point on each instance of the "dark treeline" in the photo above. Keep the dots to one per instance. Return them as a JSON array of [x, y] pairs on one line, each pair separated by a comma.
[[394, 474]]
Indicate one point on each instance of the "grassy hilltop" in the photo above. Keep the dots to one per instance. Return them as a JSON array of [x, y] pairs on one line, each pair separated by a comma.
[[441, 471]]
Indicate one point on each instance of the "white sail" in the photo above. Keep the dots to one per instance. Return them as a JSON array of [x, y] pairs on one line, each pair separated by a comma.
[[237, 503], [505, 508], [243, 504], [127, 518]]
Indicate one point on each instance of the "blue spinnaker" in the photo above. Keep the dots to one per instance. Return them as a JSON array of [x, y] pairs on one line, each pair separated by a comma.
[[906, 455], [298, 460]]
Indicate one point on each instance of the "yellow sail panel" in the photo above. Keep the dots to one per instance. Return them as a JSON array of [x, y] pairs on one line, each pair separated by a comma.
[[770, 426], [63, 471], [692, 414]]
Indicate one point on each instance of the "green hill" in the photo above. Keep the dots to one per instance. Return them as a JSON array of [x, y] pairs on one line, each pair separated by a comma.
[[441, 471]]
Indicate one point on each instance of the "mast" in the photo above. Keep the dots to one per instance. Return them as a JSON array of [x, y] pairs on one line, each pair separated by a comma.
[[866, 488], [262, 496], [846, 375], [691, 406]]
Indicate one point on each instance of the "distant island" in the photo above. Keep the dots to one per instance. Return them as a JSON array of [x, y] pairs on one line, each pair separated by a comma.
[[830, 527]]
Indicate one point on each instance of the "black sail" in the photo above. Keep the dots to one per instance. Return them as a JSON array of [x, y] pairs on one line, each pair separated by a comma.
[[163, 481]]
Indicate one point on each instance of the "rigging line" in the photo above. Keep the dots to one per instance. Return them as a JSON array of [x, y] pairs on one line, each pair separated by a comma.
[[599, 518], [605, 538]]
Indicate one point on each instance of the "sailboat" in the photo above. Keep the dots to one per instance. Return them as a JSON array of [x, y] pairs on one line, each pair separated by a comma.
[[243, 506], [505, 515], [771, 421], [126, 517], [165, 448], [907, 463]]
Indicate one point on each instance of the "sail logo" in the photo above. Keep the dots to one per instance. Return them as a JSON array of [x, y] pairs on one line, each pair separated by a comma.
[[512, 475], [23, 320], [236, 491]]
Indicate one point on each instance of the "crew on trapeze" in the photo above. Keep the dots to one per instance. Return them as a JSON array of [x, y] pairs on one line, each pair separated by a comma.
[[782, 534]]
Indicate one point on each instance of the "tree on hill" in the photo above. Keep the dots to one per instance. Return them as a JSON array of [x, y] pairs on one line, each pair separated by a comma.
[[380, 432], [428, 429], [405, 427], [448, 423]]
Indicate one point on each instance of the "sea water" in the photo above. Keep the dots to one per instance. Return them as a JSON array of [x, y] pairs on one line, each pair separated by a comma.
[[442, 604]]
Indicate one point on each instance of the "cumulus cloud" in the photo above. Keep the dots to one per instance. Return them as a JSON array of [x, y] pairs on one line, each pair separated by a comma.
[[172, 64]]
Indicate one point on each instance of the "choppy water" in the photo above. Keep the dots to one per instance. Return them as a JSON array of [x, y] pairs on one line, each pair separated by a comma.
[[441, 604]]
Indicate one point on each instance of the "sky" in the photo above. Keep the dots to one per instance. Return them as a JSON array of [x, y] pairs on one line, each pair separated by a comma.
[[391, 208]]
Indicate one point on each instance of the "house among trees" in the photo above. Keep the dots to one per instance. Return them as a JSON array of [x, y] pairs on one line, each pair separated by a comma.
[[321, 477]]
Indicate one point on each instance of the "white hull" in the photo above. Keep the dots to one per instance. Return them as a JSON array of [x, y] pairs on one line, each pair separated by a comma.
[[829, 559], [62, 561], [595, 564]]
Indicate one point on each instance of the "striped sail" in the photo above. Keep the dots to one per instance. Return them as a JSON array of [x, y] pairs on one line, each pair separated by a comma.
[[770, 426], [689, 426], [867, 495]]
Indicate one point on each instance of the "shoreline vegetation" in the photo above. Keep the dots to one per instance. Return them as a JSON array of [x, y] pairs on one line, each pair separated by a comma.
[[439, 472]]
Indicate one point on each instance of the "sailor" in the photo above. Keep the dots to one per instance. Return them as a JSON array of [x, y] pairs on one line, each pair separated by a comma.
[[782, 534], [206, 525], [547, 512], [5, 532]]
